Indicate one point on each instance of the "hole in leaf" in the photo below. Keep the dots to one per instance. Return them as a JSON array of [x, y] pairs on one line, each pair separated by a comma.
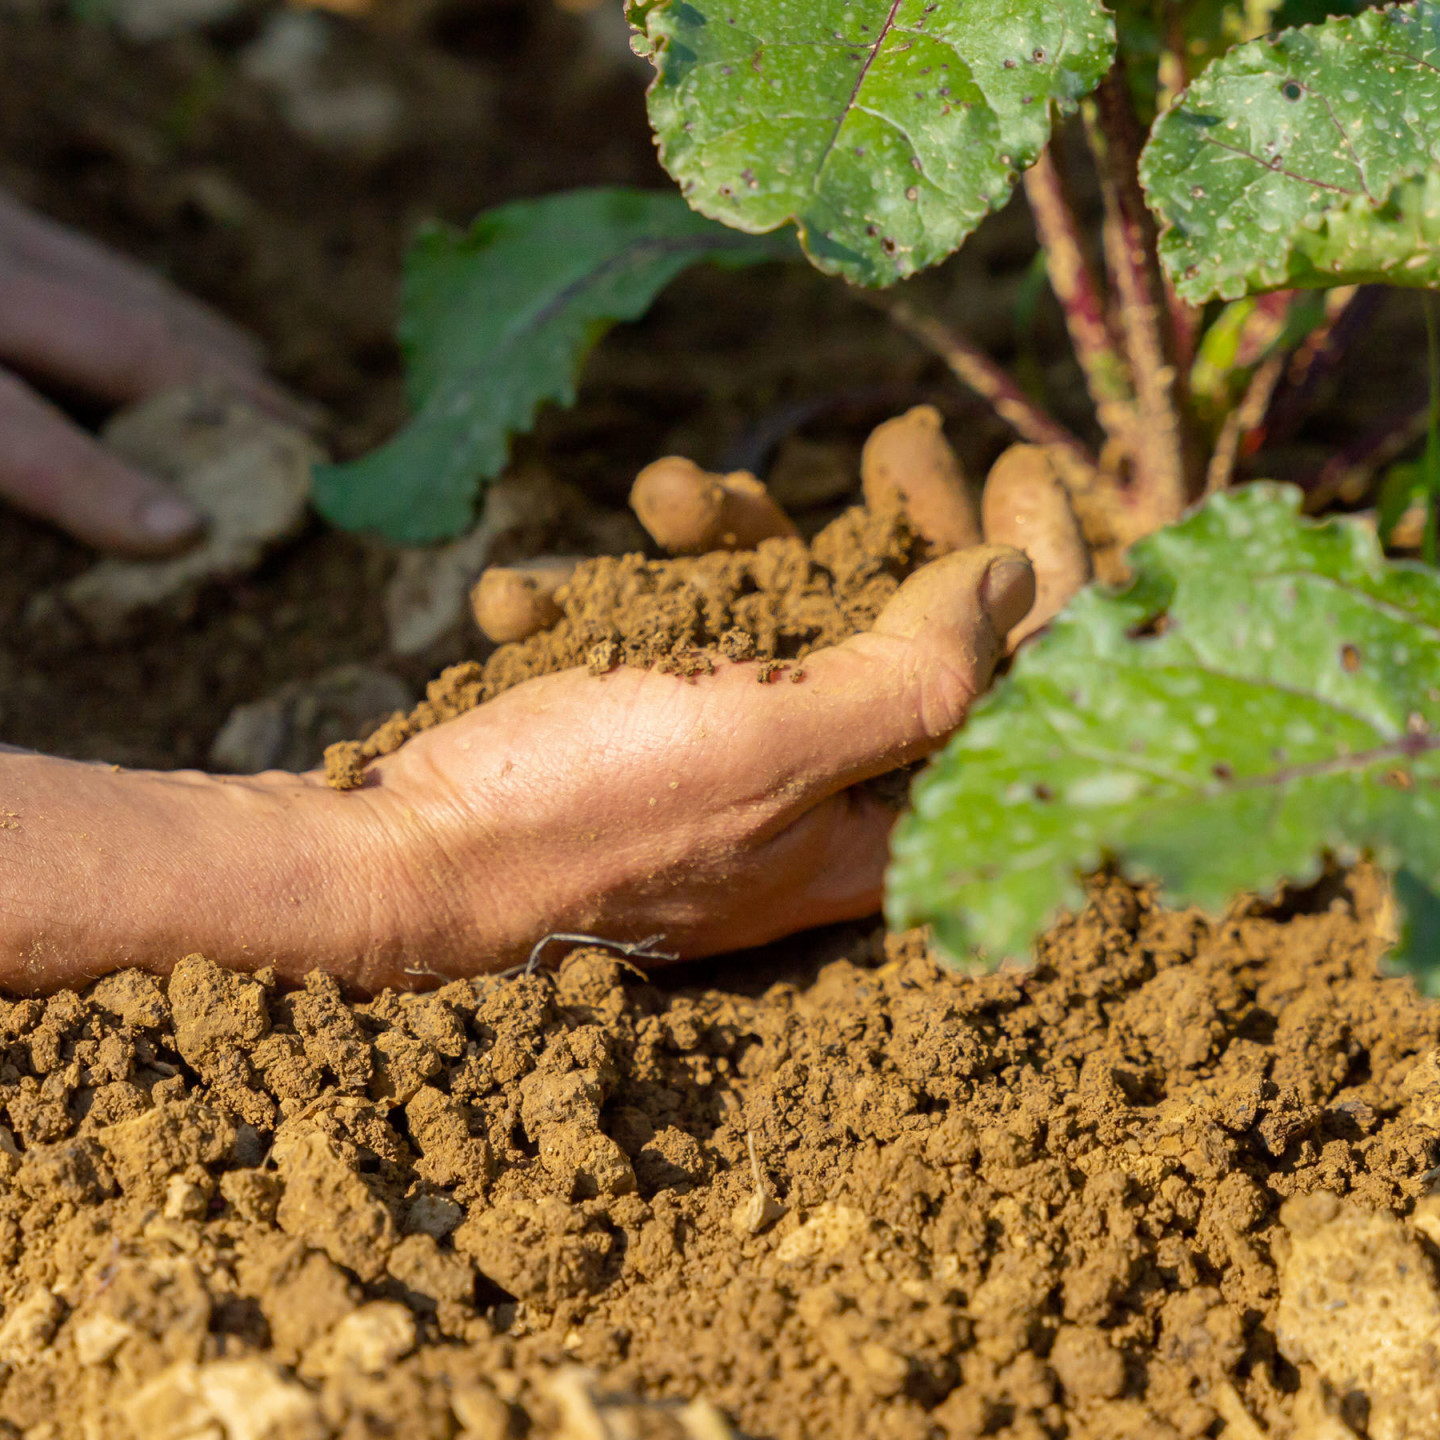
[[1149, 629], [1292, 89], [1221, 771], [1349, 659], [1044, 794]]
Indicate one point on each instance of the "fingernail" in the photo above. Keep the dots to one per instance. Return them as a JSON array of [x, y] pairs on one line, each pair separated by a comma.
[[167, 518], [1008, 591]]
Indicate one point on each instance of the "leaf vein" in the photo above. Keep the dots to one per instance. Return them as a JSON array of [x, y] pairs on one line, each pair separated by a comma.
[[849, 104]]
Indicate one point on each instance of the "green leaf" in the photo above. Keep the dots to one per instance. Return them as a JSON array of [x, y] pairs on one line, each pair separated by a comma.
[[499, 319], [1239, 340], [885, 129], [1306, 160], [1265, 691]]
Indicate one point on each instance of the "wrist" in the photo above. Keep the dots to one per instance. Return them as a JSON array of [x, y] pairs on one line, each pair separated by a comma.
[[102, 868]]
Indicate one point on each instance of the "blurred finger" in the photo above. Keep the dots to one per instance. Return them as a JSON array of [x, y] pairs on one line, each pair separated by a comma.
[[909, 457], [73, 336], [1027, 505], [687, 510], [51, 251], [56, 472]]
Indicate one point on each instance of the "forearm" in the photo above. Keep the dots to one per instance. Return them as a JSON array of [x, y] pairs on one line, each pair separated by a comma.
[[101, 868]]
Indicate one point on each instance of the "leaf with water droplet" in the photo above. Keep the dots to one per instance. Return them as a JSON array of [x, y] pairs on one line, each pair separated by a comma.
[[864, 96], [1319, 146], [1261, 694]]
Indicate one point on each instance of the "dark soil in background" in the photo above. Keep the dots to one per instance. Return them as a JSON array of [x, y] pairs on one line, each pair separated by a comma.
[[1064, 1205]]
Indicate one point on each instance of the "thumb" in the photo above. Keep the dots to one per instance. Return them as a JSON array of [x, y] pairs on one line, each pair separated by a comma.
[[895, 693]]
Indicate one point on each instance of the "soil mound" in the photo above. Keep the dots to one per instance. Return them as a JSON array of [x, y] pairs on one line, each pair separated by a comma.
[[774, 604], [1100, 1200]]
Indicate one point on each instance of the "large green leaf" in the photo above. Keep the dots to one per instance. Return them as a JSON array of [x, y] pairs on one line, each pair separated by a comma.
[[1266, 690], [885, 129], [498, 319], [1306, 160]]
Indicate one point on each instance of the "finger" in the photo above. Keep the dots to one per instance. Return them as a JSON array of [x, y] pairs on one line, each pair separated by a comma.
[[73, 336], [75, 312], [41, 247], [1026, 505], [513, 602], [893, 694], [687, 510], [909, 457], [54, 471]]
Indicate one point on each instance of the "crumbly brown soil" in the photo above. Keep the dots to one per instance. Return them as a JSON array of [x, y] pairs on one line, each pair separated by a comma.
[[1173, 1184], [774, 604], [1028, 1206]]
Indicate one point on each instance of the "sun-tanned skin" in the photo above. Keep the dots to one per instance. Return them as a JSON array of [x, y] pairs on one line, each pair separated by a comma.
[[719, 814]]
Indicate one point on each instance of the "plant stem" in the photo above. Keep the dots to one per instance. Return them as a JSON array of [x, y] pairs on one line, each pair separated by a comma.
[[1244, 421], [1166, 460], [1077, 289], [992, 382], [1347, 475], [1316, 360], [1430, 543]]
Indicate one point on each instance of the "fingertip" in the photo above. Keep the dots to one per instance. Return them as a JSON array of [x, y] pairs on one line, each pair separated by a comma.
[[1008, 589], [167, 524], [56, 472]]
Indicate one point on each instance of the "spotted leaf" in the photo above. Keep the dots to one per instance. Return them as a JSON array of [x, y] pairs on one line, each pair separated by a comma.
[[1309, 159], [884, 129], [1263, 693]]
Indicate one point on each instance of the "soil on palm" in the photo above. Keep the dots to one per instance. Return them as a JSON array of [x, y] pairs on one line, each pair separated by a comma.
[[774, 604]]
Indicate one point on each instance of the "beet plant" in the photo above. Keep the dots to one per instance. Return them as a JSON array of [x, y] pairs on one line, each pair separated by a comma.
[[1264, 692]]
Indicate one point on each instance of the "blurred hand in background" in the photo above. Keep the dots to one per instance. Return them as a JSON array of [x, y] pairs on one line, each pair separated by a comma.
[[80, 317]]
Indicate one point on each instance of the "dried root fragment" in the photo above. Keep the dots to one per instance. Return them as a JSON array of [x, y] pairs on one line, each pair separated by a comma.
[[514, 602], [909, 456], [688, 511], [760, 1209], [1026, 505]]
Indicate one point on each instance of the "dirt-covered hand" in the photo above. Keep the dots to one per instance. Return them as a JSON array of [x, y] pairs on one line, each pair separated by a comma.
[[78, 316], [720, 814]]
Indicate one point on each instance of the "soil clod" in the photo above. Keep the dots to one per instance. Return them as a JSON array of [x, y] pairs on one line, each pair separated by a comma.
[[1175, 1178]]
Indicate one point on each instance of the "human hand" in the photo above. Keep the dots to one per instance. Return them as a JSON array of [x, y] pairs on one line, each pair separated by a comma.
[[720, 814], [76, 314]]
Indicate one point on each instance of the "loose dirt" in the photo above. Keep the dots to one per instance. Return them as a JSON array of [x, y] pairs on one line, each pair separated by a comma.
[[1151, 1190], [774, 604], [1175, 1183]]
